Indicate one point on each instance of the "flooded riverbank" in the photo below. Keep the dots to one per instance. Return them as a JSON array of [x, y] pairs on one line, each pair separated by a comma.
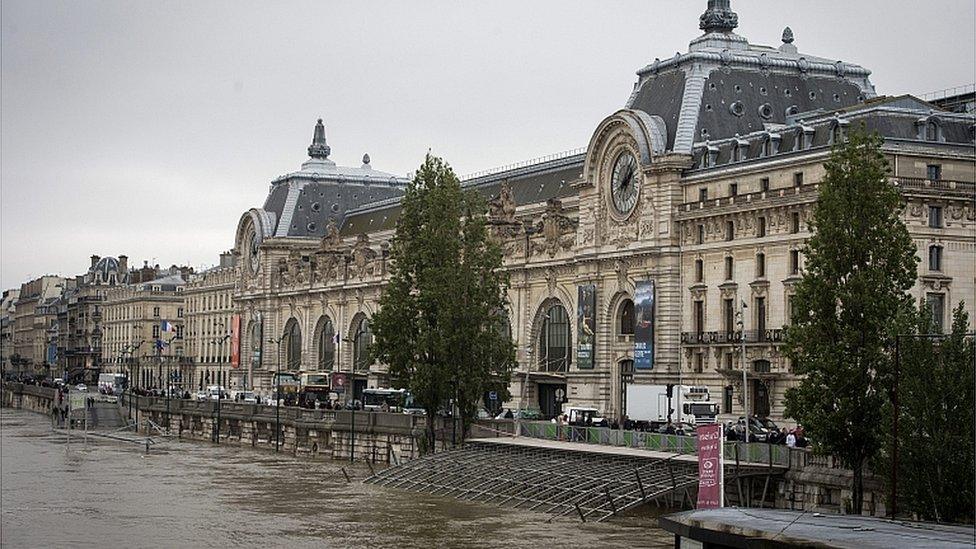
[[201, 495]]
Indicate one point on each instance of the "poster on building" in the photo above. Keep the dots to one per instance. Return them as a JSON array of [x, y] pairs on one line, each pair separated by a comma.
[[235, 341], [644, 325], [338, 382], [256, 334], [711, 465], [52, 353], [586, 321]]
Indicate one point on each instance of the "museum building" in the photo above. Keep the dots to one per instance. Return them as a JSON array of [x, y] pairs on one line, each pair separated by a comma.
[[677, 233]]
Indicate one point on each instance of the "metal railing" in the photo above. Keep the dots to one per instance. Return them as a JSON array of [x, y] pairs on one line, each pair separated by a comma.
[[466, 178], [945, 185], [733, 337], [753, 453]]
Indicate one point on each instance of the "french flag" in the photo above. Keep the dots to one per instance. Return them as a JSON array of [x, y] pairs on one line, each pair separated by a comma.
[[168, 326]]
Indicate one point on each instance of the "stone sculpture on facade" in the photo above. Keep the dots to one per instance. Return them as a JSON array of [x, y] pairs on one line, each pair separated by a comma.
[[331, 241], [558, 231], [502, 208], [363, 257]]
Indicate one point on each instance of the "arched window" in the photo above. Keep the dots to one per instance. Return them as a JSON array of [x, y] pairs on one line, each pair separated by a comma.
[[555, 340], [362, 340], [627, 317], [325, 344], [293, 346], [931, 131], [935, 258]]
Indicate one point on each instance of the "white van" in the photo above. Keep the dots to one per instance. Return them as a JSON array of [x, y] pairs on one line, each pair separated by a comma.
[[216, 392]]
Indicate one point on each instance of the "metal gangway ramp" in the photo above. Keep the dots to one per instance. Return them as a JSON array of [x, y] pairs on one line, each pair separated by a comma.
[[527, 474]]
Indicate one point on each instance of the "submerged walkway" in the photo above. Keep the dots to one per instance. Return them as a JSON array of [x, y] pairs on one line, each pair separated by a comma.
[[558, 478]]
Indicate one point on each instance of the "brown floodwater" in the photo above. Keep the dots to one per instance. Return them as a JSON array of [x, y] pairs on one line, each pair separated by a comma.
[[193, 494]]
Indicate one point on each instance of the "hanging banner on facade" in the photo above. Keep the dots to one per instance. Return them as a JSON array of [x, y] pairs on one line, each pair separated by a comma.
[[644, 326], [586, 321], [257, 334], [235, 341], [711, 466]]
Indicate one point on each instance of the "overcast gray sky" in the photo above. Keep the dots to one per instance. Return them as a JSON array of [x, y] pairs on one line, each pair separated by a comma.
[[148, 128]]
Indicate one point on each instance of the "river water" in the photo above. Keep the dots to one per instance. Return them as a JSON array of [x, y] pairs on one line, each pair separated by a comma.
[[193, 494]]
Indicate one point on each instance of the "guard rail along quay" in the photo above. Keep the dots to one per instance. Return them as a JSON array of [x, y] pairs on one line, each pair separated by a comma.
[[595, 473]]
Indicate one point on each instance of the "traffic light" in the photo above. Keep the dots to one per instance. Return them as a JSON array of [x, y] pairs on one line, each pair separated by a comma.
[[670, 390]]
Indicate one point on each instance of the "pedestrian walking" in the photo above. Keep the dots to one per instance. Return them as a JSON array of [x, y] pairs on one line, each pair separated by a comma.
[[791, 439]]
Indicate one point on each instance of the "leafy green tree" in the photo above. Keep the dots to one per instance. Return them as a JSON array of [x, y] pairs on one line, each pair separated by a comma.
[[860, 264], [936, 420], [437, 327]]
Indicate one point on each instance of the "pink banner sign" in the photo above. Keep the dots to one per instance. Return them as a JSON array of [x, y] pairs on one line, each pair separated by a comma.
[[711, 478]]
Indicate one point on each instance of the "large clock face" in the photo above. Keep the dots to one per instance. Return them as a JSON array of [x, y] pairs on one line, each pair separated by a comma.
[[252, 251], [623, 183]]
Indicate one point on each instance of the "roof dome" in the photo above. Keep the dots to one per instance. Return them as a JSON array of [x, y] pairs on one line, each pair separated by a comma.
[[105, 271], [725, 85], [306, 201]]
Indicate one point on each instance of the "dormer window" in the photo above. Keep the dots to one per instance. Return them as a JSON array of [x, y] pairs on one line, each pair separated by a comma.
[[740, 149], [804, 138], [770, 145], [930, 129], [838, 131]]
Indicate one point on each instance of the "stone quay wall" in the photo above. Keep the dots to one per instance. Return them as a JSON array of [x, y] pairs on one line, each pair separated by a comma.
[[376, 437], [337, 434], [29, 397]]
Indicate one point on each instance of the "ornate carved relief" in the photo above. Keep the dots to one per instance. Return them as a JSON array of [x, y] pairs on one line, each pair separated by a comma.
[[502, 207], [558, 231], [331, 241], [363, 257], [326, 267]]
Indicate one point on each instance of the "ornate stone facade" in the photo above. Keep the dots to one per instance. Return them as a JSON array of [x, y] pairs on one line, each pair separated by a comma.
[[719, 199]]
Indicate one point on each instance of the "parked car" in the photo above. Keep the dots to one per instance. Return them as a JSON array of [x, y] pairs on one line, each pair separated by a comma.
[[757, 430], [681, 429], [81, 387], [247, 397]]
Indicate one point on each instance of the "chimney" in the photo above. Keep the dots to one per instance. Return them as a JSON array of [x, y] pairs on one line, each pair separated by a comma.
[[94, 260], [227, 259], [123, 264]]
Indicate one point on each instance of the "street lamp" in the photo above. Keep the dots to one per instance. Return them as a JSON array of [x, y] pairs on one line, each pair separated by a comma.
[[218, 342], [166, 389], [277, 389], [745, 389]]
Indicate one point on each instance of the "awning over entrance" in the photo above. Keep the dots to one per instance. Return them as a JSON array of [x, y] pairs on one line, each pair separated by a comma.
[[544, 377]]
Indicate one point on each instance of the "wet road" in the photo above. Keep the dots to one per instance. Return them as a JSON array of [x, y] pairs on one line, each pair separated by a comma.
[[200, 495]]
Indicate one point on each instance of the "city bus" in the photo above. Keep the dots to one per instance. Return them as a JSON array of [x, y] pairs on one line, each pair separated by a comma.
[[288, 382], [315, 388], [396, 400]]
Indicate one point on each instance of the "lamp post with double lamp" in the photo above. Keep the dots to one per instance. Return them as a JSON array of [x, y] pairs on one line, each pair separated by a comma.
[[218, 342], [741, 322], [130, 350], [167, 388], [277, 389]]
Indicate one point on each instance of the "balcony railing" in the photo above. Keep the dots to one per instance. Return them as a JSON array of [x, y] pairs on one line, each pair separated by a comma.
[[732, 338], [942, 185]]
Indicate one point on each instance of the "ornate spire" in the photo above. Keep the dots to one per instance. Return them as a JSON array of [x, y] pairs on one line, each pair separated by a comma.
[[718, 17], [319, 148]]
